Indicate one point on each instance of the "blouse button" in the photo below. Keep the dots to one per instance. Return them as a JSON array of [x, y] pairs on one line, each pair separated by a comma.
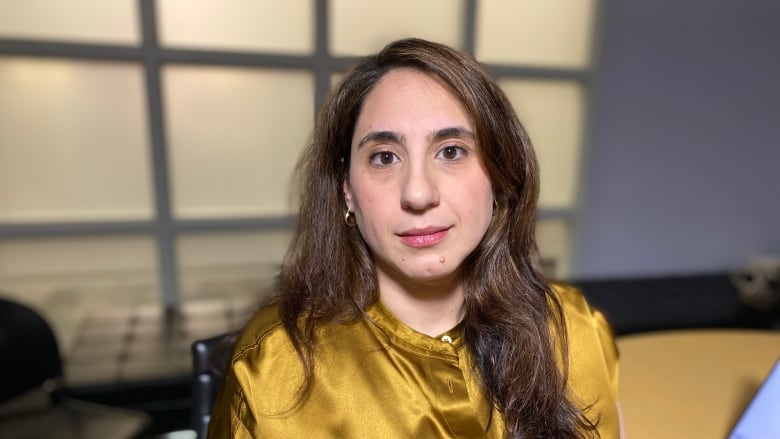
[[447, 339]]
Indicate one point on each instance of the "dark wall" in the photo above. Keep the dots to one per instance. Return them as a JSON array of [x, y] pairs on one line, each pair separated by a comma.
[[683, 167]]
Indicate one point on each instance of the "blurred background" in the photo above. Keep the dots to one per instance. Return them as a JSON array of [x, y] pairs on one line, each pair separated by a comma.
[[146, 147]]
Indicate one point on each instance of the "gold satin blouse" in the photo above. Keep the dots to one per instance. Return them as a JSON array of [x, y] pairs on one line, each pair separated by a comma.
[[382, 379]]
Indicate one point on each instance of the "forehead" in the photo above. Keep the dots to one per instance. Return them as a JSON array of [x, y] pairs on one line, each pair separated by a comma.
[[407, 98]]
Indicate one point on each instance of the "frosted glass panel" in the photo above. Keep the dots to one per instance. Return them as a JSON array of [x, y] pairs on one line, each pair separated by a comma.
[[223, 264], [550, 33], [363, 27], [335, 80], [42, 257], [273, 26], [235, 135], [73, 141], [224, 249], [552, 237], [68, 279], [552, 112], [99, 21]]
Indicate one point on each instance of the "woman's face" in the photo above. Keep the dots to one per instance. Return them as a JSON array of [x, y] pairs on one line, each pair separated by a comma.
[[416, 183]]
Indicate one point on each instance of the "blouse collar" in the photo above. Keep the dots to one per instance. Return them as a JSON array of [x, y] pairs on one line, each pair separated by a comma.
[[447, 343]]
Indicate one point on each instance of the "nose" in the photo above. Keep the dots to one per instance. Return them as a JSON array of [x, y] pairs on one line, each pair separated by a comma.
[[419, 189]]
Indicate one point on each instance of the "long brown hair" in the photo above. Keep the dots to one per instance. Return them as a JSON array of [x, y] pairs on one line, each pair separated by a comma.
[[512, 318]]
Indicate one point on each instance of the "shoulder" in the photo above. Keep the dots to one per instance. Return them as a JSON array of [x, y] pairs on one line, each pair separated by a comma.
[[592, 356], [263, 348], [579, 315], [261, 345], [584, 324], [263, 325], [264, 362], [571, 299], [591, 342]]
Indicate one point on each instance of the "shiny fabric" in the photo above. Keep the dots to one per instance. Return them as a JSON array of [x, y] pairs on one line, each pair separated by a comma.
[[378, 378]]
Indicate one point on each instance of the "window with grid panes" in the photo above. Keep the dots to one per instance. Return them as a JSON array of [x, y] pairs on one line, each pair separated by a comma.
[[146, 147]]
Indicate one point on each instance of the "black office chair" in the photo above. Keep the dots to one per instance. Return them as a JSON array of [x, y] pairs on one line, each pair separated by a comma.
[[34, 401], [209, 360]]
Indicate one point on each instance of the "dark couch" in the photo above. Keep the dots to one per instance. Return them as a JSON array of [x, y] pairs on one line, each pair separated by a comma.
[[635, 305]]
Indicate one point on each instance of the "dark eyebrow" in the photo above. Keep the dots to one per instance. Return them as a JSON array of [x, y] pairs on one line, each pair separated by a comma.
[[381, 137], [451, 132]]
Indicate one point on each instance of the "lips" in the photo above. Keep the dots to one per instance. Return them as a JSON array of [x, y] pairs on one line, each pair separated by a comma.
[[425, 237]]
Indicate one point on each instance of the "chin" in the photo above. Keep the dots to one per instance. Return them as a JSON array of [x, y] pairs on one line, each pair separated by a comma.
[[431, 273]]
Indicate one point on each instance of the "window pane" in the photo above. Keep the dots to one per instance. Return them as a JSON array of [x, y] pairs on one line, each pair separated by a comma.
[[335, 80], [235, 135], [552, 112], [362, 27], [97, 21], [73, 141], [230, 264], [286, 26], [66, 279], [552, 237], [549, 33]]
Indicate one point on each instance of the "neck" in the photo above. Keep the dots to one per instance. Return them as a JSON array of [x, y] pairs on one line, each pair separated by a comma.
[[431, 308]]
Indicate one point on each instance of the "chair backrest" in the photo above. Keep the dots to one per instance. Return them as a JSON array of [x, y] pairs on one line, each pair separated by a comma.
[[30, 360], [29, 355], [209, 361]]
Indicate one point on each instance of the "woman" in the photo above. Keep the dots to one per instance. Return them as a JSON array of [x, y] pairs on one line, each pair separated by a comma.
[[410, 303]]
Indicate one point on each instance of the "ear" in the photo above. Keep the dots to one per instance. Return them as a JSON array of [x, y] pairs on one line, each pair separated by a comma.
[[348, 196]]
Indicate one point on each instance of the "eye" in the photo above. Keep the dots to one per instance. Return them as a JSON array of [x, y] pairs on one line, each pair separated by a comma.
[[451, 153], [383, 158]]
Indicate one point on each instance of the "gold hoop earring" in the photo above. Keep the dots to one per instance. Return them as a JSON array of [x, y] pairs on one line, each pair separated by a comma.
[[349, 218]]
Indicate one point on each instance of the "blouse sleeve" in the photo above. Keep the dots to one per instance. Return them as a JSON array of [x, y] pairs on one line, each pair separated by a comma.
[[593, 360], [608, 346], [228, 419]]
